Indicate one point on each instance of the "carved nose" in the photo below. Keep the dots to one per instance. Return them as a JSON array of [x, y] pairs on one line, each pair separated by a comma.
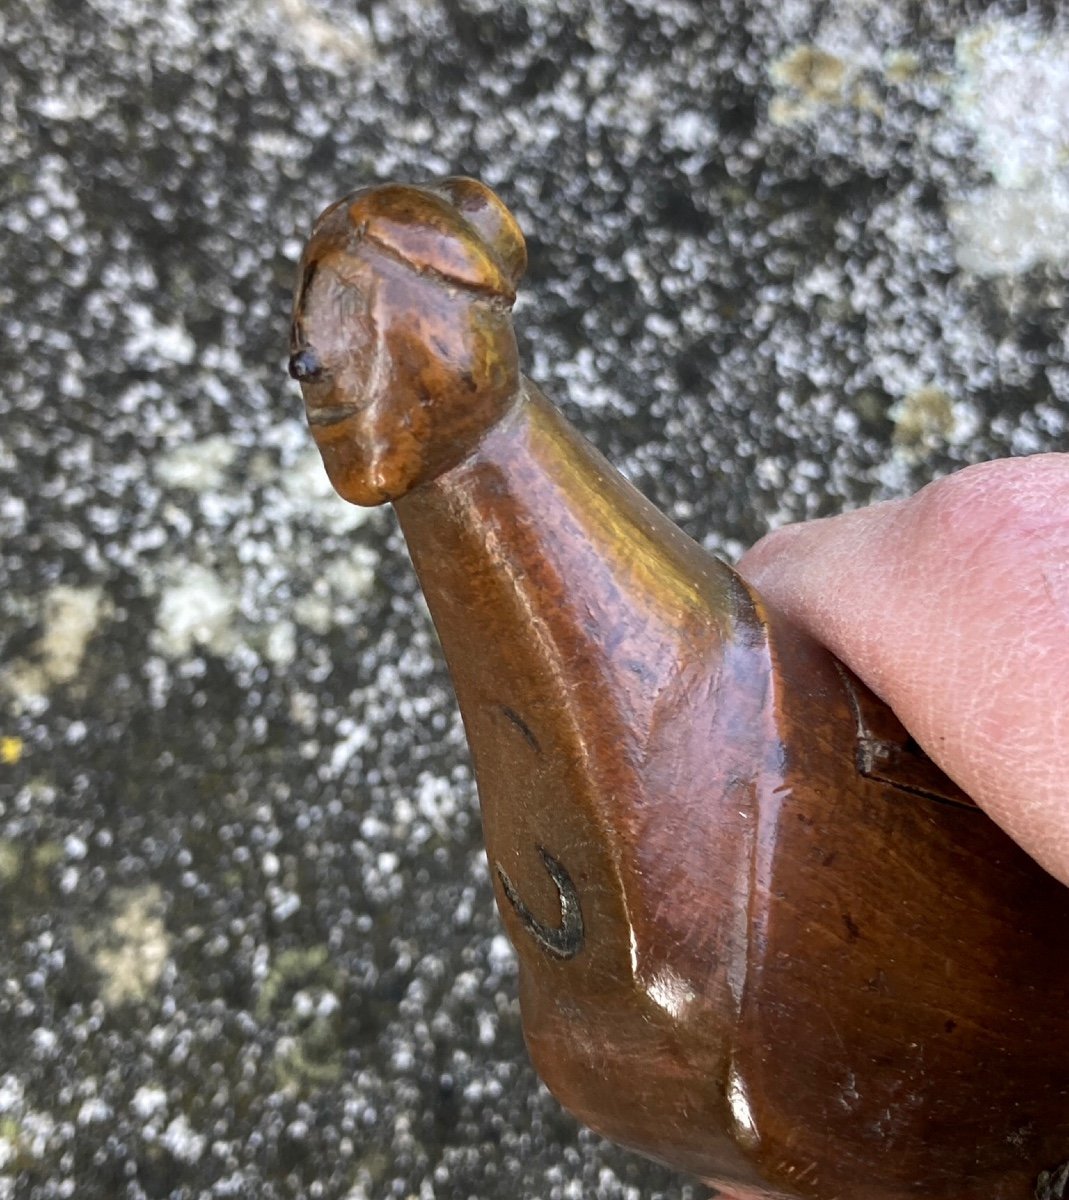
[[305, 365]]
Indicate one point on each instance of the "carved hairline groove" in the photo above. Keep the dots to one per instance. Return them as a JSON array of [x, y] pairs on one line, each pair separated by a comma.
[[486, 291]]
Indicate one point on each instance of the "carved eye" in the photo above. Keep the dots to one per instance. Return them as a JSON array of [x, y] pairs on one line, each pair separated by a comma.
[[305, 366]]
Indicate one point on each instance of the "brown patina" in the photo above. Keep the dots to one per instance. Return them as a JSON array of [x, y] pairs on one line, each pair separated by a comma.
[[761, 937]]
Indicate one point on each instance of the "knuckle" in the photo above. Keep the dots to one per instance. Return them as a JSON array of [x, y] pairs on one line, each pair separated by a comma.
[[1015, 501]]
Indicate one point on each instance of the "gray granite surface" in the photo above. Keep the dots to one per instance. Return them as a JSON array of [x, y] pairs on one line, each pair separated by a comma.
[[786, 256]]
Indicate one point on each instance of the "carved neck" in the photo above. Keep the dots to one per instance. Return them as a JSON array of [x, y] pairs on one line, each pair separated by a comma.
[[537, 512], [553, 581], [577, 622], [612, 679]]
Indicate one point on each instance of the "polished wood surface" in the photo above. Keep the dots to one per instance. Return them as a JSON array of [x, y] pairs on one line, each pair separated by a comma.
[[761, 937]]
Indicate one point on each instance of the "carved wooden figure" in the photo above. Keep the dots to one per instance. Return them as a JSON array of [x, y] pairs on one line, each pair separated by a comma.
[[761, 937]]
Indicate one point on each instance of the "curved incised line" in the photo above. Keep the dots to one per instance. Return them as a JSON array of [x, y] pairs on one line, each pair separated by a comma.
[[566, 939]]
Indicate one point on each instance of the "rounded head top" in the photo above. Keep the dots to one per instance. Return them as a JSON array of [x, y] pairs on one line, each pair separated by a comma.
[[402, 338]]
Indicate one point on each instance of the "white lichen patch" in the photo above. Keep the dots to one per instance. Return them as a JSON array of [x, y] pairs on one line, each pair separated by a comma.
[[200, 466], [131, 949], [197, 608], [323, 40], [25, 1132], [153, 344], [148, 1102], [350, 577], [70, 617], [280, 643], [182, 1141], [307, 492], [1013, 92], [228, 610], [94, 1111], [1005, 232], [175, 19], [314, 611]]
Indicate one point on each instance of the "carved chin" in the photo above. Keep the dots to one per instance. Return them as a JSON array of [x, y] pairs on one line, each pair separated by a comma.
[[361, 490], [360, 470]]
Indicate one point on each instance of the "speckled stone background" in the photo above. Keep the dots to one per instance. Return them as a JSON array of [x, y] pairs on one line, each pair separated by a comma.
[[786, 256]]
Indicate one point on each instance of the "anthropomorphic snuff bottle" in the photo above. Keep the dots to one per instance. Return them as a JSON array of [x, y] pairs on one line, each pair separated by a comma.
[[761, 937]]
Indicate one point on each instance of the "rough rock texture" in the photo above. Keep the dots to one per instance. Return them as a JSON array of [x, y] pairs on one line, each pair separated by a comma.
[[786, 256]]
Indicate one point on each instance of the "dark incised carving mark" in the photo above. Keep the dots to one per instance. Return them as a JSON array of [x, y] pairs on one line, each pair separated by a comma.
[[566, 939], [522, 726]]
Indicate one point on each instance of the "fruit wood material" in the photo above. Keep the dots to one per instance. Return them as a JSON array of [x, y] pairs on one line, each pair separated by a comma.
[[761, 937]]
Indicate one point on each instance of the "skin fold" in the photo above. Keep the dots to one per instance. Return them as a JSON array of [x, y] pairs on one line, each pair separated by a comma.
[[953, 606]]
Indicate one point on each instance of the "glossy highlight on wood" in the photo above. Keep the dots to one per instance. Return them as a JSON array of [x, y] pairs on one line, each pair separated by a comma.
[[761, 936]]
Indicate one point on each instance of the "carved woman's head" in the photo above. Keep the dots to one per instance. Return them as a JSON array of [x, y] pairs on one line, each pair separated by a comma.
[[402, 335]]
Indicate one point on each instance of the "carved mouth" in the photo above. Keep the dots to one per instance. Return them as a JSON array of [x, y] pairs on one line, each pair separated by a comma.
[[330, 414]]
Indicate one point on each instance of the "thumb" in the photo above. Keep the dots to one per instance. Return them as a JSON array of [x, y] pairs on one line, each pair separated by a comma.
[[953, 606]]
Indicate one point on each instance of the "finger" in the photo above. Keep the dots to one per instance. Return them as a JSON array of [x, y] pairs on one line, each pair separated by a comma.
[[953, 606]]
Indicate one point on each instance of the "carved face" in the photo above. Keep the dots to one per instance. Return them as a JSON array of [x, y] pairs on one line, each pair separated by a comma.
[[401, 339]]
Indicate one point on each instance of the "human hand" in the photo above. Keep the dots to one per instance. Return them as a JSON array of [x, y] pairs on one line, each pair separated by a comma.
[[953, 605]]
